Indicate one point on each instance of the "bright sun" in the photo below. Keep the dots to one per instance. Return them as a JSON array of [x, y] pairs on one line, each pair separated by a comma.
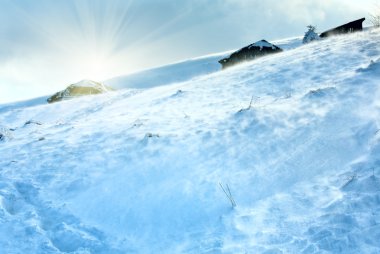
[[68, 41], [83, 39], [95, 66]]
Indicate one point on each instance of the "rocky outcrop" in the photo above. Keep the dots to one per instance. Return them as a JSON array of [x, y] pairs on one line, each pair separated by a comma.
[[82, 88], [353, 26], [250, 52]]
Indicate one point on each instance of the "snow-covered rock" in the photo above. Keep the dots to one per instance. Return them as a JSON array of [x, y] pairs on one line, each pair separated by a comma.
[[250, 52], [84, 87]]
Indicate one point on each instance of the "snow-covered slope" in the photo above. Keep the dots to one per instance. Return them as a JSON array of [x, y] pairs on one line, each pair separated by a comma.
[[138, 171], [182, 71], [168, 74]]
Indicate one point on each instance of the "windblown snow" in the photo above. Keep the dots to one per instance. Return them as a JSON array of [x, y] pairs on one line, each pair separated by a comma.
[[295, 136]]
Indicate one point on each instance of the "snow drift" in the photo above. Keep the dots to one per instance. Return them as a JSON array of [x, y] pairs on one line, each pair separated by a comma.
[[138, 171]]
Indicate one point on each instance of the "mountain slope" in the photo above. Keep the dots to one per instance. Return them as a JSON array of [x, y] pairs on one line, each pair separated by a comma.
[[168, 74], [182, 71], [138, 171]]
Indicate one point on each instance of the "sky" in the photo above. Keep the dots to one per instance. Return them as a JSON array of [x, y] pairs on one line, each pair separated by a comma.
[[45, 45]]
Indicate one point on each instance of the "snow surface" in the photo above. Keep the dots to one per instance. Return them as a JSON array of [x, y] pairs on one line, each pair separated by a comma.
[[138, 171]]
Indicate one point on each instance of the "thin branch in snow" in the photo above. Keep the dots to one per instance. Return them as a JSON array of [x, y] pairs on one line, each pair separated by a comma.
[[184, 113], [228, 193], [350, 179], [250, 104]]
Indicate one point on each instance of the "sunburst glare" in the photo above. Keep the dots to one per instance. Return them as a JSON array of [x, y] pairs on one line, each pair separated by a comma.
[[91, 39]]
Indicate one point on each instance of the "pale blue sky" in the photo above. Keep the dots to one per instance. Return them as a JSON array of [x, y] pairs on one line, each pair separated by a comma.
[[47, 44]]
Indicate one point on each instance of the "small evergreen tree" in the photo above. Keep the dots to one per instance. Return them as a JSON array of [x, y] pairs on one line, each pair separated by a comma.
[[310, 35]]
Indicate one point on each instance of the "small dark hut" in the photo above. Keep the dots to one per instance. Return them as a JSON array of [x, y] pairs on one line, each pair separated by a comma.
[[250, 52], [350, 27]]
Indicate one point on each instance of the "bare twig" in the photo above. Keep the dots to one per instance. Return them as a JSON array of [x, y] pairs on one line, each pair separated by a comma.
[[227, 191], [288, 94], [250, 104], [186, 115], [350, 179]]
